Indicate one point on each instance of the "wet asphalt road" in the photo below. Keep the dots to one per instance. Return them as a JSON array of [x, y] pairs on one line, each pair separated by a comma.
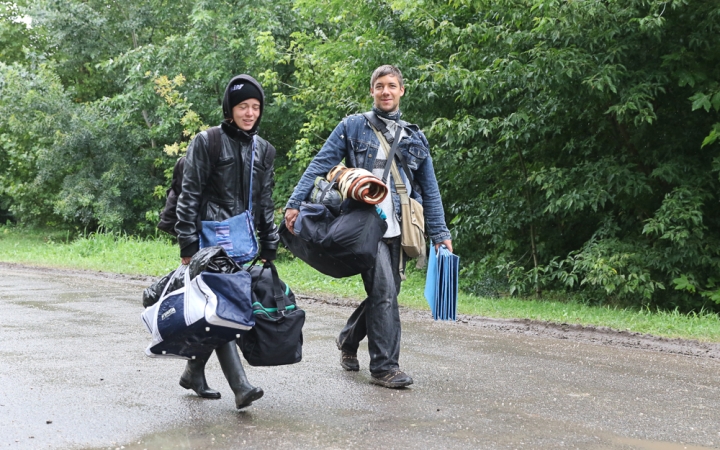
[[73, 375]]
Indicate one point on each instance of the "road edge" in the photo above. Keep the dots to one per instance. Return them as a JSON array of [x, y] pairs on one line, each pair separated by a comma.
[[576, 332]]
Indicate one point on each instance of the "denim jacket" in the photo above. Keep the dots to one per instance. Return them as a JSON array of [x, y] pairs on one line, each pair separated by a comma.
[[355, 141]]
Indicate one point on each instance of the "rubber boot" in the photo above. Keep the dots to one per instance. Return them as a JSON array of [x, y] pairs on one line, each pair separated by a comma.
[[245, 393], [194, 378]]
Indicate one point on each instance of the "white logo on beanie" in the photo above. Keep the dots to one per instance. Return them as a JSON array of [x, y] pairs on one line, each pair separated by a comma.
[[237, 87]]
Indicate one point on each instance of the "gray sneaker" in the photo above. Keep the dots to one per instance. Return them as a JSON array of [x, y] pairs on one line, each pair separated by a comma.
[[348, 361], [392, 379]]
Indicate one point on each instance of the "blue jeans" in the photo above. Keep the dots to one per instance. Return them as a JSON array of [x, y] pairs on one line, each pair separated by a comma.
[[377, 317]]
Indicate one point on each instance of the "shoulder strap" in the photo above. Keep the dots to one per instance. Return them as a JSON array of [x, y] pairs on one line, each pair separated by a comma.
[[399, 185], [391, 154], [253, 147], [214, 144], [176, 183], [270, 152], [380, 126]]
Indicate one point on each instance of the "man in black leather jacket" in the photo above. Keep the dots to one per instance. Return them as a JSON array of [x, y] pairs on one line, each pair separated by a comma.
[[217, 190]]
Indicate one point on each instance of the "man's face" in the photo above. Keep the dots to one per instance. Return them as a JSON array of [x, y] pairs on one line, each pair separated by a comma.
[[387, 92], [245, 114]]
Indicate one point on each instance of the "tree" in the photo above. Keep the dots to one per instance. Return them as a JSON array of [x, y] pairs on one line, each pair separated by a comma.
[[576, 142], [103, 164], [578, 126], [568, 136]]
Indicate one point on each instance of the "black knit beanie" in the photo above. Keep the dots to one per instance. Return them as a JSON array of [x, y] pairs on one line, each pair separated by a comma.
[[241, 92]]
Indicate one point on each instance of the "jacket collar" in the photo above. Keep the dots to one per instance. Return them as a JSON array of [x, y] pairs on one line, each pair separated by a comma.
[[236, 133]]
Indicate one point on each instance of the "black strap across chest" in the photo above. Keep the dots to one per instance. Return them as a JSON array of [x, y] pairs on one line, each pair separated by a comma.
[[380, 125]]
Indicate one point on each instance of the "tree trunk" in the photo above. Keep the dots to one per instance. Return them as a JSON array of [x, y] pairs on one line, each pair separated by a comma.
[[538, 292]]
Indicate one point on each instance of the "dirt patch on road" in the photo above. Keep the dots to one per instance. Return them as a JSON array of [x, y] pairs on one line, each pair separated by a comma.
[[139, 280], [576, 332], [599, 335]]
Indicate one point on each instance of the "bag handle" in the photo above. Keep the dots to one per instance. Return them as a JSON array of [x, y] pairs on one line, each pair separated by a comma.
[[164, 291], [327, 188], [277, 291], [278, 294], [186, 276], [249, 268]]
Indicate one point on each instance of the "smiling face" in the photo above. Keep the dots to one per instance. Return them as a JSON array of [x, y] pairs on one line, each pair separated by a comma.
[[245, 114], [386, 92]]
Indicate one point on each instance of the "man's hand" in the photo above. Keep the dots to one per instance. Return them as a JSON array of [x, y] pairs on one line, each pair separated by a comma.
[[447, 243], [290, 217], [186, 260]]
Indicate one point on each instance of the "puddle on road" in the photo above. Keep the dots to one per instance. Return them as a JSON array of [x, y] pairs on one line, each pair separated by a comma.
[[257, 429], [42, 305], [253, 436], [638, 444], [229, 432]]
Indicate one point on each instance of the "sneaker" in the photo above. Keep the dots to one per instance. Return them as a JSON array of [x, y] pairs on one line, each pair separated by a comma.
[[392, 379], [348, 361]]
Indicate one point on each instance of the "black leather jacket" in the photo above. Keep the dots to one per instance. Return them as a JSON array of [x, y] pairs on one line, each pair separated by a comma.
[[216, 193]]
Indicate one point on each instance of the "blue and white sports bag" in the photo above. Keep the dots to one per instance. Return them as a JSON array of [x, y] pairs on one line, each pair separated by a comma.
[[207, 312]]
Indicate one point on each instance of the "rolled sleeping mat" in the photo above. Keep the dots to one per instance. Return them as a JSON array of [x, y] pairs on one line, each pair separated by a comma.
[[358, 184]]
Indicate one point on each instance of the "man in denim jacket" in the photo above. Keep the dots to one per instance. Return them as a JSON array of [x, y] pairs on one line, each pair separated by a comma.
[[354, 140]]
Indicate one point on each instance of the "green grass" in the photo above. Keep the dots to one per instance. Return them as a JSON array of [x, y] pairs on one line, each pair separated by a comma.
[[158, 256], [104, 252]]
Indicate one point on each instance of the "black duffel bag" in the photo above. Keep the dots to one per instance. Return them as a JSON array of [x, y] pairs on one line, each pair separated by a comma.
[[276, 339], [339, 246]]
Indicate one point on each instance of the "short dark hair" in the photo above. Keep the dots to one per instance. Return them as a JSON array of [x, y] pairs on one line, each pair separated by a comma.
[[387, 69]]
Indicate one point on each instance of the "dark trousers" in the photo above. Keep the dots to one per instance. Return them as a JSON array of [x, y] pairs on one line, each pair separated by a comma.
[[378, 317]]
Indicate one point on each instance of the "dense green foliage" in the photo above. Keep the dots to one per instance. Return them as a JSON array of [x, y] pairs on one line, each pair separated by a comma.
[[576, 142]]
